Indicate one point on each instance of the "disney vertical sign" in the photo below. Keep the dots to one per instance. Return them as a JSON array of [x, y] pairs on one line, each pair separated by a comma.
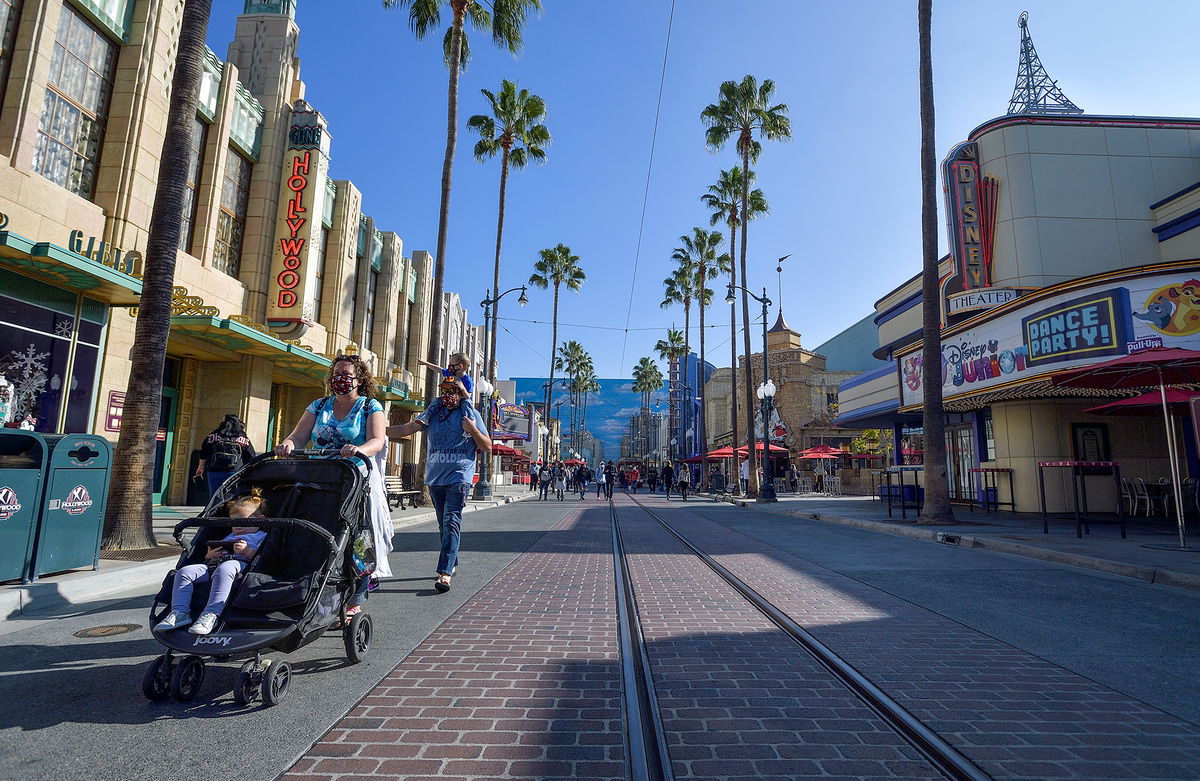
[[971, 212], [292, 291]]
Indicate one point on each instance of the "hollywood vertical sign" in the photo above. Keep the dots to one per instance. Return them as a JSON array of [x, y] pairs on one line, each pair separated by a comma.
[[298, 229]]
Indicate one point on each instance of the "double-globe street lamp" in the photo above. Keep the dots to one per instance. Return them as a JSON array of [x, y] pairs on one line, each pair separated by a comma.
[[483, 488], [766, 491]]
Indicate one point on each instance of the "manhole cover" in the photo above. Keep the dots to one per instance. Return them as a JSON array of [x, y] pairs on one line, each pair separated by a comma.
[[108, 631]]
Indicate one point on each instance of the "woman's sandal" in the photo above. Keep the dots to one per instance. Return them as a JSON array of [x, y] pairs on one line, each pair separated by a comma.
[[351, 612], [442, 583]]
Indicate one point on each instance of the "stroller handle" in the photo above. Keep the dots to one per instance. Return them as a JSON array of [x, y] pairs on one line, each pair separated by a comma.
[[313, 453]]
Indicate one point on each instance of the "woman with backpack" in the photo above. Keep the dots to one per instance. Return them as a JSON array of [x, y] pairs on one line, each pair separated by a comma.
[[223, 452]]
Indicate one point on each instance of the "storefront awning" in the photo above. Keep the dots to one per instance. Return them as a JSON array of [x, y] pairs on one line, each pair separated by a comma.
[[71, 270], [239, 337]]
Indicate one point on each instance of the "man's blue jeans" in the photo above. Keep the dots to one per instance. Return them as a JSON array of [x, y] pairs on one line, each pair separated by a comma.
[[448, 503]]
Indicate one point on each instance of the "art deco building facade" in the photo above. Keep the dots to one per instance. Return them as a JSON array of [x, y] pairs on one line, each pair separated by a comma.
[[280, 265]]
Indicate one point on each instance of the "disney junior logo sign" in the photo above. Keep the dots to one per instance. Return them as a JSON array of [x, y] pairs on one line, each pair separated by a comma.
[[9, 505], [77, 501]]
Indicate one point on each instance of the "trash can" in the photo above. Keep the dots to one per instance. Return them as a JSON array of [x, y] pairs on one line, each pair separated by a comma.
[[73, 505], [22, 473]]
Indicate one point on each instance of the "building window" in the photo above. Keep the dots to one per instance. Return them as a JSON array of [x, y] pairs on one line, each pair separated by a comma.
[[76, 108], [372, 286], [195, 164], [231, 220], [322, 253], [8, 33]]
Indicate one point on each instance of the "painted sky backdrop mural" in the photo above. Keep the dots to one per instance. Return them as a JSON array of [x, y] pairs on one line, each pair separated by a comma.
[[607, 412]]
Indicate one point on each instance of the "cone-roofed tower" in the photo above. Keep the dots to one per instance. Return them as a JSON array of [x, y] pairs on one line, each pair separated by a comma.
[[1036, 92]]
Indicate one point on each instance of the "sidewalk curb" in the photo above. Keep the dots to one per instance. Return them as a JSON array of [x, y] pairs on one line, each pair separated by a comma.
[[1154, 575], [75, 591]]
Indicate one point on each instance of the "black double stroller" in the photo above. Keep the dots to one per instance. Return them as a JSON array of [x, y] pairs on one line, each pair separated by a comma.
[[296, 587]]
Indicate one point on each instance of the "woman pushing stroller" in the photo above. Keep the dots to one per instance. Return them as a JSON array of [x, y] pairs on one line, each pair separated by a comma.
[[351, 421]]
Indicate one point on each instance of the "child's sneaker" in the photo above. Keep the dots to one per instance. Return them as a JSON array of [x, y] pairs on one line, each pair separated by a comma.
[[372, 584], [176, 619], [204, 624]]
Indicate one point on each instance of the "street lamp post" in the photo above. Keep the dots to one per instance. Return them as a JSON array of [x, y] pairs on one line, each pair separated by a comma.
[[487, 387], [766, 491], [766, 394]]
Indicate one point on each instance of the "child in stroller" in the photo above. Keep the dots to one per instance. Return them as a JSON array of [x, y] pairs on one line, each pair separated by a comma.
[[224, 561]]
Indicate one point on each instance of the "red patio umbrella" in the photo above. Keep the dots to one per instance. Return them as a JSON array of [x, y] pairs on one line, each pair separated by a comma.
[[823, 450], [819, 455], [758, 447], [504, 450], [1158, 366], [1148, 403], [722, 452]]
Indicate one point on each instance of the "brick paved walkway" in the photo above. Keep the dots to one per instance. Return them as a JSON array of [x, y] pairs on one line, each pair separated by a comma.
[[738, 697], [521, 682], [1014, 714]]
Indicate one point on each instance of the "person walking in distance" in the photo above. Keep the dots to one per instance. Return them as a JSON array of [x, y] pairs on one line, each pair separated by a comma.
[[610, 479], [667, 476], [454, 430], [223, 452], [545, 478]]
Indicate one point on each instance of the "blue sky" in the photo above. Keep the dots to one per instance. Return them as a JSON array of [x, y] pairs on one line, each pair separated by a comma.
[[844, 192]]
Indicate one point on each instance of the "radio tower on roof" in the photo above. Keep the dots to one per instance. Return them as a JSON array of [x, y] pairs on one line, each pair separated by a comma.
[[1036, 92]]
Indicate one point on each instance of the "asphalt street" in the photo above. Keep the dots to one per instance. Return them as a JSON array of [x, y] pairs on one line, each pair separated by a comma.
[[74, 708]]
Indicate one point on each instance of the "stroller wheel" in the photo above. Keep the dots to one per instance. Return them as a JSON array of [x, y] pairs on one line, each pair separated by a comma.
[[245, 688], [357, 637], [187, 678], [156, 683], [276, 681]]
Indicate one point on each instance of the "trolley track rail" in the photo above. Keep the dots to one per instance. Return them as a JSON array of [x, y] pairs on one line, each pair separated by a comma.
[[648, 758]]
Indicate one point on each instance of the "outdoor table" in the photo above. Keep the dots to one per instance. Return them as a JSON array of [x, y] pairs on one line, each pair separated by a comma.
[[905, 505], [990, 490], [1079, 472]]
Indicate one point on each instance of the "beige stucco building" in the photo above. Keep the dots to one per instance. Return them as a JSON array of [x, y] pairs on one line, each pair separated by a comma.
[[280, 266]]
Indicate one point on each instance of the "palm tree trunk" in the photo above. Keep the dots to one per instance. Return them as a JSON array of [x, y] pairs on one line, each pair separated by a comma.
[[496, 269], [687, 350], [748, 391], [439, 260], [937, 484], [550, 384], [127, 521], [700, 379], [733, 403]]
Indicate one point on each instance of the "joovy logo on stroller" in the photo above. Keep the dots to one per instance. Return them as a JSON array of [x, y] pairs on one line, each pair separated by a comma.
[[211, 640]]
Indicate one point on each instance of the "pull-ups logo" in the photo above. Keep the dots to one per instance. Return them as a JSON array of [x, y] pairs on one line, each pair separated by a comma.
[[77, 501], [9, 505]]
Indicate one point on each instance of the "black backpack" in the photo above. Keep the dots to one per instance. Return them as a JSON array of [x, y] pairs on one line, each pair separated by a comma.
[[226, 456]]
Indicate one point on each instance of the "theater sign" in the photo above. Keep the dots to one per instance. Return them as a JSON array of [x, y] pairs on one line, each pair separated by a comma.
[[1046, 332]]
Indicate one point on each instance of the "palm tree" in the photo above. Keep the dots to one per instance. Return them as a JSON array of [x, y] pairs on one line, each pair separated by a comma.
[[505, 22], [724, 200], [588, 384], [742, 109], [699, 251], [570, 358], [514, 129], [647, 378], [670, 350], [557, 267], [680, 288], [127, 521], [937, 481]]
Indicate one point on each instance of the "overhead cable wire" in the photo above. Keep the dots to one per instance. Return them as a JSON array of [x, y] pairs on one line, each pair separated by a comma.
[[646, 193]]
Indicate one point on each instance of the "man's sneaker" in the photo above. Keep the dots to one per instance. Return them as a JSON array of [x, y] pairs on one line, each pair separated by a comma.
[[204, 624], [176, 619]]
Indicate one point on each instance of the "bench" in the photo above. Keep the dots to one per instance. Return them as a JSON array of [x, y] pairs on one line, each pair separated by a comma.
[[393, 486]]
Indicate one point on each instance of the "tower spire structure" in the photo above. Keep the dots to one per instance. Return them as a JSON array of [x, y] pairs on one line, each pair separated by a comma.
[[1036, 92]]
